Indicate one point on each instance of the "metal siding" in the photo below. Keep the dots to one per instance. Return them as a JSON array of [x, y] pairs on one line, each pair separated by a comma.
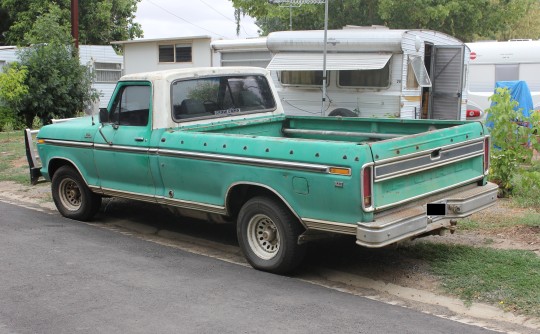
[[99, 53], [105, 92], [530, 74], [246, 58], [8, 54], [303, 61]]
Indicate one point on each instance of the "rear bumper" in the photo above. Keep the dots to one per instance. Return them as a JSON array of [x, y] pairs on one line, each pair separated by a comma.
[[404, 223]]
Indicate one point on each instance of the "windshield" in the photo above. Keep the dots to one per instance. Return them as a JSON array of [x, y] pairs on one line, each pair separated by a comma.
[[222, 96]]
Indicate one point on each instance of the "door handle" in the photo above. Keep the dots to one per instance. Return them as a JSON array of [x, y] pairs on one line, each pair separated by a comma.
[[139, 139]]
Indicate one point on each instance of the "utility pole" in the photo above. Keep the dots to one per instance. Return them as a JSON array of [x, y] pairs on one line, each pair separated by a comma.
[[75, 22]]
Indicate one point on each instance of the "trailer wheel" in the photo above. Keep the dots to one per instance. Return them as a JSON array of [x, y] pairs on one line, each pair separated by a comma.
[[343, 112], [72, 197], [268, 236]]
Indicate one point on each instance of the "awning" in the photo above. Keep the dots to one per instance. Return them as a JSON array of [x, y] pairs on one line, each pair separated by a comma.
[[310, 61]]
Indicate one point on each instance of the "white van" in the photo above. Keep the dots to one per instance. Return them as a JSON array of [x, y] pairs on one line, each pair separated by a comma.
[[372, 72], [501, 61]]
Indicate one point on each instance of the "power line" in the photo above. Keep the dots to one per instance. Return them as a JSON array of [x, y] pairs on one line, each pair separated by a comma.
[[181, 18], [225, 16]]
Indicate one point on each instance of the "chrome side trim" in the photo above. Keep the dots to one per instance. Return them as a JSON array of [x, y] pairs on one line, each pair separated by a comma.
[[68, 143], [119, 148], [246, 161], [327, 226], [192, 205], [129, 195], [410, 199], [165, 201], [315, 168]]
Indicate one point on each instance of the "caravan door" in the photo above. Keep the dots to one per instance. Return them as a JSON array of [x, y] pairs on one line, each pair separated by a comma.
[[447, 80]]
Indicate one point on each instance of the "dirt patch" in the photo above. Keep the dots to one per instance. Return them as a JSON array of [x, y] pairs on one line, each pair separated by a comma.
[[496, 232], [21, 162]]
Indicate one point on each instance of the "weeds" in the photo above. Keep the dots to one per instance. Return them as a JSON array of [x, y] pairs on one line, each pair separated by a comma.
[[508, 278], [13, 166]]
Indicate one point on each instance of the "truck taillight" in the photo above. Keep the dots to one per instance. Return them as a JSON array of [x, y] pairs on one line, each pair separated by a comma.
[[367, 187], [486, 154], [473, 113]]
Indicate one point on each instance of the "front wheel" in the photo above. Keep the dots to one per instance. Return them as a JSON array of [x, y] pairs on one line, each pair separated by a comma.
[[268, 236], [72, 197]]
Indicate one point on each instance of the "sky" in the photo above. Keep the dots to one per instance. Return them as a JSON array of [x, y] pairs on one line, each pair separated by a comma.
[[215, 18]]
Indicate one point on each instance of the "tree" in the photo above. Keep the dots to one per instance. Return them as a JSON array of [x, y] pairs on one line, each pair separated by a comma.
[[100, 21], [467, 20], [58, 86], [12, 91], [272, 17]]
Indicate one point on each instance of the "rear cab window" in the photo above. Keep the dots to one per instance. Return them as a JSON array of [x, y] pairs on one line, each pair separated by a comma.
[[222, 96]]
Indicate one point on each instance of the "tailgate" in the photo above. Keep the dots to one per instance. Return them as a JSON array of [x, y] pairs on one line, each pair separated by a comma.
[[411, 167]]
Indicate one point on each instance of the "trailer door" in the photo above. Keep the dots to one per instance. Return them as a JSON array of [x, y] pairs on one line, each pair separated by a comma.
[[447, 78]]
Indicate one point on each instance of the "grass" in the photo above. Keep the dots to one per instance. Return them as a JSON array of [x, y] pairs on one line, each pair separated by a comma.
[[531, 219], [13, 166], [508, 278]]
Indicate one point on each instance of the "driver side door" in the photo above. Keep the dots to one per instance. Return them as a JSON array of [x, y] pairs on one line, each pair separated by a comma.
[[121, 146]]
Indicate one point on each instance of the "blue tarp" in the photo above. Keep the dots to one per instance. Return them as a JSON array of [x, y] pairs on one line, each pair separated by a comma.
[[519, 91]]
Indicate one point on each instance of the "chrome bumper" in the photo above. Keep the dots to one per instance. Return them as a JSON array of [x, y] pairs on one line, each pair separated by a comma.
[[401, 224]]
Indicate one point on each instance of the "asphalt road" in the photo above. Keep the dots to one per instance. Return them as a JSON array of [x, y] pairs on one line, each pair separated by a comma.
[[63, 276]]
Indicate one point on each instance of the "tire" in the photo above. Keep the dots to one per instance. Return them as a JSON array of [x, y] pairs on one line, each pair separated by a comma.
[[72, 197], [342, 112], [268, 236]]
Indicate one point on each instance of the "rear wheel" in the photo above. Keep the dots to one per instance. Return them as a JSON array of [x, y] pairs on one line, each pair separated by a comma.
[[72, 197], [268, 235]]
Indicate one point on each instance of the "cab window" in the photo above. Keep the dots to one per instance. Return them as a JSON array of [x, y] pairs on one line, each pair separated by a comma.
[[214, 97], [131, 106]]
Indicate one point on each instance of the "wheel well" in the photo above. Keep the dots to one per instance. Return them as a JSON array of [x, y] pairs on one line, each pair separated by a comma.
[[55, 164], [240, 194]]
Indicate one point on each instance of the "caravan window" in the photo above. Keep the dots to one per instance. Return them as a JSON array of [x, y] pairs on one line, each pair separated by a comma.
[[365, 78], [506, 72], [107, 72], [301, 78], [417, 74]]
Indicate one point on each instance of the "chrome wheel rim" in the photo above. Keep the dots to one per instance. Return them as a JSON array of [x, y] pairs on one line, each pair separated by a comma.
[[263, 237], [70, 195]]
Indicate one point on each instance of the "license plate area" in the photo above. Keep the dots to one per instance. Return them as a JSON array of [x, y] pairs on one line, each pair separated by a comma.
[[436, 209]]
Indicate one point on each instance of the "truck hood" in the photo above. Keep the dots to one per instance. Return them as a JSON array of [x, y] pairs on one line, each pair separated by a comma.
[[77, 129]]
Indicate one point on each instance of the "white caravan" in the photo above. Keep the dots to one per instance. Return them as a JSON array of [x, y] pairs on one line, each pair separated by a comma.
[[372, 72], [501, 61]]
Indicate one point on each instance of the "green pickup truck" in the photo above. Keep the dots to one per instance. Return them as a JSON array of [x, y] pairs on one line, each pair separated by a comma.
[[214, 144]]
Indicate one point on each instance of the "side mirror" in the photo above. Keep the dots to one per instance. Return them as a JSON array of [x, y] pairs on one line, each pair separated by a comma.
[[103, 115]]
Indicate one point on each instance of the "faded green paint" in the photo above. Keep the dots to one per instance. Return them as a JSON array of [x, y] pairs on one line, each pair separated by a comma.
[[139, 160]]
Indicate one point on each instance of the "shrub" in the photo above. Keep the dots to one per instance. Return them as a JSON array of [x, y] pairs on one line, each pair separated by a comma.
[[513, 135]]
